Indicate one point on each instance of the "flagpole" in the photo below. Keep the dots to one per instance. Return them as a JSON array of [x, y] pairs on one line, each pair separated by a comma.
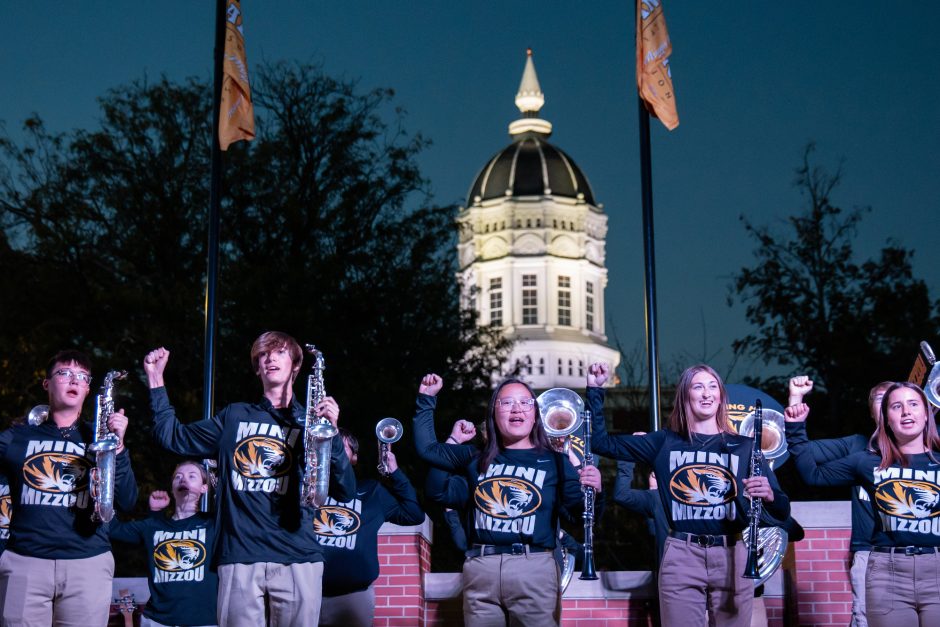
[[212, 247], [649, 266]]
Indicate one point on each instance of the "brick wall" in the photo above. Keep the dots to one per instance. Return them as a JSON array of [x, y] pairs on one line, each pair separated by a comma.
[[404, 558], [823, 591], [408, 594]]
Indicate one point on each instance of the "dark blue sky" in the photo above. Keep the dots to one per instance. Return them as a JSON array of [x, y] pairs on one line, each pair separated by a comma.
[[755, 81]]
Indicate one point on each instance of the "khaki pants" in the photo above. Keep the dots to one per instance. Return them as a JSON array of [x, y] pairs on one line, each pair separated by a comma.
[[857, 576], [65, 593], [902, 590], [356, 609], [693, 579], [289, 592], [511, 589]]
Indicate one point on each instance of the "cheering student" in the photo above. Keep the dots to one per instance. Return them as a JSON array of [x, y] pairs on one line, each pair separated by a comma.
[[270, 563], [901, 482], [57, 566], [703, 470], [348, 532], [183, 587], [863, 517], [520, 487]]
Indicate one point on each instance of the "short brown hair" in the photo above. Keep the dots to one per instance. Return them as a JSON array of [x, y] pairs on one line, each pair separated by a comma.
[[273, 340], [68, 356]]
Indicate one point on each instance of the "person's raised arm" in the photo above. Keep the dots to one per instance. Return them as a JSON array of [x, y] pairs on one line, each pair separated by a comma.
[[446, 456], [400, 501], [199, 439], [626, 447]]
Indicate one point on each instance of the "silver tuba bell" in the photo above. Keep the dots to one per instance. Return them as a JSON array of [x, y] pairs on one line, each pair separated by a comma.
[[562, 412], [771, 541], [38, 415], [388, 431]]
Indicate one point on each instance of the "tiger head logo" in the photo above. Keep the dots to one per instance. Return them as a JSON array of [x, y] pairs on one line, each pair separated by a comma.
[[702, 484], [177, 555], [335, 521], [261, 457], [908, 499], [56, 472], [507, 498]]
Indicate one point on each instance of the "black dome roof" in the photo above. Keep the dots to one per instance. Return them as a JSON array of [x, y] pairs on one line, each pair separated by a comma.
[[530, 166]]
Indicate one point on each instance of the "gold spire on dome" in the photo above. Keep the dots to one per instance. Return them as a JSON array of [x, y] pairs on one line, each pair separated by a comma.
[[530, 100]]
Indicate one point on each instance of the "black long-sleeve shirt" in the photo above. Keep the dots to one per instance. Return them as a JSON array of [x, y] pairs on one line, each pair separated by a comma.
[[863, 516], [646, 502], [261, 459], [348, 531], [699, 481], [49, 470], [906, 498], [515, 498]]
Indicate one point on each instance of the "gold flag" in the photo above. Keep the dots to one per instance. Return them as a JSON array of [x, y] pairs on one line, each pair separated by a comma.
[[237, 115], [652, 62]]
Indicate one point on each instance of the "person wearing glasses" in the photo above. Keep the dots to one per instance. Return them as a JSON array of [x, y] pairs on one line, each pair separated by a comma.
[[57, 567], [519, 487]]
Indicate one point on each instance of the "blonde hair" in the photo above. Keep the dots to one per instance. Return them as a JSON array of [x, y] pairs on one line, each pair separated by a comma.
[[679, 419]]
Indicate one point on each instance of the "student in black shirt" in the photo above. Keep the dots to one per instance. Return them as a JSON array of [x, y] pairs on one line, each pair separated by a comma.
[[183, 585], [348, 532], [902, 483], [702, 467], [519, 488]]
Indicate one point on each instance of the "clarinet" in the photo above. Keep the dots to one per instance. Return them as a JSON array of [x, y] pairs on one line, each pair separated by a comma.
[[587, 569], [751, 569]]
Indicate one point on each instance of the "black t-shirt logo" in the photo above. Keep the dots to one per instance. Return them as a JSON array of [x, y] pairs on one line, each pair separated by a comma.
[[507, 498], [179, 555], [702, 484], [335, 521], [908, 499], [261, 457], [58, 473]]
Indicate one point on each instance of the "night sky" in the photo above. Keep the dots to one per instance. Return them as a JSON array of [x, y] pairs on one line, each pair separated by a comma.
[[755, 81]]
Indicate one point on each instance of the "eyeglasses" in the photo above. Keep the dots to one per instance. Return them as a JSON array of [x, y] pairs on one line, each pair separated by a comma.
[[65, 374], [507, 403]]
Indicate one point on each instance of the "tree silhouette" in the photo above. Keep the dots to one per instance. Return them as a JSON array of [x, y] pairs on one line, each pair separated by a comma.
[[328, 232], [849, 324]]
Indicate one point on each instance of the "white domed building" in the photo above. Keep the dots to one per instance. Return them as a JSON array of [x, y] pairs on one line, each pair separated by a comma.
[[531, 252]]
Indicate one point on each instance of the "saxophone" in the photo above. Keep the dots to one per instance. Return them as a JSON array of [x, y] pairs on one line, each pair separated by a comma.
[[104, 447], [318, 438]]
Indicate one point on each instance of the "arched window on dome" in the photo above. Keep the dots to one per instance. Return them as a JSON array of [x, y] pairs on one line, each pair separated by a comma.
[[486, 229], [560, 370], [580, 367], [528, 365], [570, 369], [541, 365]]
